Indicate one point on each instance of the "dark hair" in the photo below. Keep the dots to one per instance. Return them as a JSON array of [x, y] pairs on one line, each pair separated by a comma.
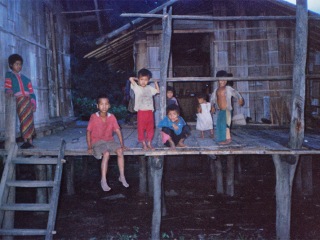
[[144, 72], [222, 73], [169, 88], [103, 95], [202, 95], [13, 58], [173, 107]]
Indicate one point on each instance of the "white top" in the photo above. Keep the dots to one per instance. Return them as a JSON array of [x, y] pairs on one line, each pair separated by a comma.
[[143, 97]]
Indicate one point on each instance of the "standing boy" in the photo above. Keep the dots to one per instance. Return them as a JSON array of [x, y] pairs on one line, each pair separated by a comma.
[[20, 86], [222, 97], [144, 106], [101, 142]]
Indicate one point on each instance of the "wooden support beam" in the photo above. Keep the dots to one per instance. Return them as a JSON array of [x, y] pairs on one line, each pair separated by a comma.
[[11, 116], [132, 23], [250, 78], [286, 165], [213, 18]]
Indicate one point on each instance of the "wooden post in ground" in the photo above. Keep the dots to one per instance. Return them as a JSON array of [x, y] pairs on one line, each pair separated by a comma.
[[10, 118], [286, 165], [157, 166], [230, 176], [303, 177], [212, 159], [69, 173], [219, 175], [41, 175], [142, 175], [157, 162]]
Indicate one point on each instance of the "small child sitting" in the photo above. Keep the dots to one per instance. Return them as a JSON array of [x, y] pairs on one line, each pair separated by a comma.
[[204, 118], [170, 97], [174, 128]]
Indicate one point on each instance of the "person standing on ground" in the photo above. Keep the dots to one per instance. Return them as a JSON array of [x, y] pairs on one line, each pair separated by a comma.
[[21, 87]]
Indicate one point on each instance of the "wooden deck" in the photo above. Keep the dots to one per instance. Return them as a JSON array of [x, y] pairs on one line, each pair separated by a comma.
[[254, 139]]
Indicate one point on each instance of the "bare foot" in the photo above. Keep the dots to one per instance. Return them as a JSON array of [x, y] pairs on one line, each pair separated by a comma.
[[144, 145], [181, 144], [124, 182], [228, 141], [104, 186], [150, 146]]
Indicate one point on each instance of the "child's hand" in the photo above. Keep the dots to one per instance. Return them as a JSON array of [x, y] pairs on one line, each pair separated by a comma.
[[90, 151], [175, 126], [132, 79], [213, 110], [241, 102], [124, 148]]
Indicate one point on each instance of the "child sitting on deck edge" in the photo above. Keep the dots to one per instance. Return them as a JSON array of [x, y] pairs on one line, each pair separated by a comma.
[[221, 96], [101, 142], [144, 106], [174, 128]]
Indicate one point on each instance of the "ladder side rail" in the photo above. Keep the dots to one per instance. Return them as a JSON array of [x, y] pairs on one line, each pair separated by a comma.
[[8, 173], [55, 192]]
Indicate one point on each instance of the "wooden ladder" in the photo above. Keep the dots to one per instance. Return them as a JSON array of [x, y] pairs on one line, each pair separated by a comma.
[[7, 193]]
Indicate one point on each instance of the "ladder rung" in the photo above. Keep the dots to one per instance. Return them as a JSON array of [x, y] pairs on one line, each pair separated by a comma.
[[30, 183], [33, 160], [26, 207], [22, 232]]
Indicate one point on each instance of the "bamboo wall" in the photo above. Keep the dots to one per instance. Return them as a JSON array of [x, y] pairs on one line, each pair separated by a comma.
[[37, 31]]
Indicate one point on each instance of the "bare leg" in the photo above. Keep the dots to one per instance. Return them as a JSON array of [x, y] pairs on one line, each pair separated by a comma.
[[149, 145], [172, 145], [211, 133], [122, 178], [104, 170], [181, 143]]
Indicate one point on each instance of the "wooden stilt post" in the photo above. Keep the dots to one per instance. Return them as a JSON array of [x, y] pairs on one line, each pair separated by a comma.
[[230, 176], [11, 115], [70, 176], [142, 175], [284, 178], [219, 175], [286, 165], [158, 161], [157, 165]]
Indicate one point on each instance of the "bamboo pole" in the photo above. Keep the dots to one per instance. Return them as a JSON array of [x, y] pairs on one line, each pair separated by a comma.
[[220, 18], [129, 25], [10, 118]]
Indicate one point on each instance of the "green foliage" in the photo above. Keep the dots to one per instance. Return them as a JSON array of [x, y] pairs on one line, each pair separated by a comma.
[[119, 111], [132, 236], [84, 107]]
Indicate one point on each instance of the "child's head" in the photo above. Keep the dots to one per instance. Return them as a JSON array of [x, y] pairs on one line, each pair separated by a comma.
[[173, 112], [144, 76], [15, 62], [103, 103], [202, 98], [170, 92], [222, 73]]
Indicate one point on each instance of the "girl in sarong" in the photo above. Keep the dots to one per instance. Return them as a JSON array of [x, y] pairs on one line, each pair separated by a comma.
[[20, 86]]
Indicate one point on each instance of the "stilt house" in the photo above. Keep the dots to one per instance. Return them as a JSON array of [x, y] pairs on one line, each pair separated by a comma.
[[258, 51]]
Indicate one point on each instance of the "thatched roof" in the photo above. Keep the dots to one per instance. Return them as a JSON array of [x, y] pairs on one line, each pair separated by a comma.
[[117, 46]]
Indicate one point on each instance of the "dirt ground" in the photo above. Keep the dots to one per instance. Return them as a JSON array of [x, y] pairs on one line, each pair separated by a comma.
[[194, 210]]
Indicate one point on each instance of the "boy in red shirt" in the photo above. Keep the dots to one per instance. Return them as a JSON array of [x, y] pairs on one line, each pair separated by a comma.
[[101, 142], [143, 104]]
